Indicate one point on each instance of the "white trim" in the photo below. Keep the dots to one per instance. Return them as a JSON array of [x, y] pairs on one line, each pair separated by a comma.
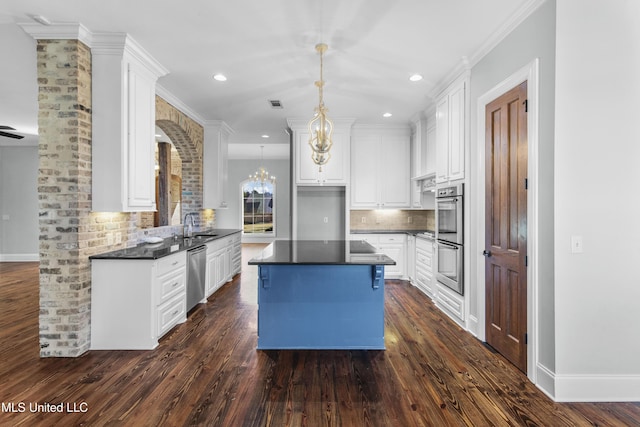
[[19, 257], [598, 388], [529, 73], [505, 29], [163, 93], [59, 31], [467, 63]]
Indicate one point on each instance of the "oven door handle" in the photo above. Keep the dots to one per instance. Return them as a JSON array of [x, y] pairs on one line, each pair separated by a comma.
[[448, 245]]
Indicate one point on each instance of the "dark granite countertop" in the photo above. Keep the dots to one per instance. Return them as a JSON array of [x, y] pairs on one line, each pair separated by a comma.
[[168, 246], [410, 232], [330, 252]]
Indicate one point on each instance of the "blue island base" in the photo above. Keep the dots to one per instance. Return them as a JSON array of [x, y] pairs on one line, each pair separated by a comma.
[[328, 307]]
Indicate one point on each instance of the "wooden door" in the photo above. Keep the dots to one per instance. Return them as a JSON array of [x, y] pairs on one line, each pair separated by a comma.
[[506, 225]]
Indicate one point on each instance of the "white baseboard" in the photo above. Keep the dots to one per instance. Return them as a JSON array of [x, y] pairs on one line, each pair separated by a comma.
[[597, 388], [545, 381], [19, 257]]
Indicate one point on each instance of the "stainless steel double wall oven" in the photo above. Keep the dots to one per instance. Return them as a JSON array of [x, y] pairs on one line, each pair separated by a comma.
[[450, 237]]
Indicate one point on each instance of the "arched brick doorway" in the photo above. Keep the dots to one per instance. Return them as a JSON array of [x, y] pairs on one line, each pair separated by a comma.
[[188, 138]]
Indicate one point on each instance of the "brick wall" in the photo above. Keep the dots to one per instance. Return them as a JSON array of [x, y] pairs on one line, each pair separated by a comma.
[[69, 231], [64, 193]]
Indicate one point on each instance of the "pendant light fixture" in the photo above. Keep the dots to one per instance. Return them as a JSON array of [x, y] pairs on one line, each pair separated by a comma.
[[320, 127], [262, 175]]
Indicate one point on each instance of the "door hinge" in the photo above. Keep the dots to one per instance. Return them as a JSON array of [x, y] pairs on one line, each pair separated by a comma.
[[526, 183], [526, 338], [526, 260], [526, 105]]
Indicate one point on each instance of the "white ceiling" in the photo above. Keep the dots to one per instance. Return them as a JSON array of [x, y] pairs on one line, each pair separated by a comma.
[[266, 49]]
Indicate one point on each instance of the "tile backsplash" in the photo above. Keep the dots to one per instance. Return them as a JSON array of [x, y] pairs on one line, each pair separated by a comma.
[[393, 219]]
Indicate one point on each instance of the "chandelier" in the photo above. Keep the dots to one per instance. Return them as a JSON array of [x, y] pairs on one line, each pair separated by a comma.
[[320, 127], [262, 175]]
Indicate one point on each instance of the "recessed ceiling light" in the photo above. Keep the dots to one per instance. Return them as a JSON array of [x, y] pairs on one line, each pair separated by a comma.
[[415, 78], [265, 136], [220, 77], [387, 115]]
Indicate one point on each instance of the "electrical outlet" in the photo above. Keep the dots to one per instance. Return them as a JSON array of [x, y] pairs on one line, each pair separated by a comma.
[[118, 238], [109, 239], [363, 220], [576, 244], [409, 219], [326, 219]]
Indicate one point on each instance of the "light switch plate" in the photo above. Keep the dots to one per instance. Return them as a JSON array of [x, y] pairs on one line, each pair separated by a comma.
[[576, 244]]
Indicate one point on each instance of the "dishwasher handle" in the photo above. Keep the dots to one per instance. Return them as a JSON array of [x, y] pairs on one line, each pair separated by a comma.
[[199, 249]]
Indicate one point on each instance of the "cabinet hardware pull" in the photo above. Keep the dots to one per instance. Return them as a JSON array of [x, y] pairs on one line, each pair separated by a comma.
[[174, 285], [175, 312], [175, 263]]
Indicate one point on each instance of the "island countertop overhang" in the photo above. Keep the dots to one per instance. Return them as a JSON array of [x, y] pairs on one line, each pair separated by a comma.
[[321, 252]]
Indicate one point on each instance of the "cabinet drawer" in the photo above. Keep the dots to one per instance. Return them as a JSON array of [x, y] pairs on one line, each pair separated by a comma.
[[425, 282], [171, 263], [451, 303], [424, 259], [391, 238], [424, 244], [171, 285], [171, 313]]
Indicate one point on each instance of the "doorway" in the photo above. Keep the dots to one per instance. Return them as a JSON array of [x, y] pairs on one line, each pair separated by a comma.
[[506, 159]]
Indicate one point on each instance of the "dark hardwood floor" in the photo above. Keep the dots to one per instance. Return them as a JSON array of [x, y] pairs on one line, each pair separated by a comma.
[[207, 372]]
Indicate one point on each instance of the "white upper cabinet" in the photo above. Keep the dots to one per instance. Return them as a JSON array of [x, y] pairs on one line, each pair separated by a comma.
[[380, 168], [451, 132], [336, 171], [123, 133], [215, 159]]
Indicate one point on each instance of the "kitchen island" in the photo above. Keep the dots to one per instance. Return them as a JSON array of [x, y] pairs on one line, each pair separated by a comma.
[[321, 295]]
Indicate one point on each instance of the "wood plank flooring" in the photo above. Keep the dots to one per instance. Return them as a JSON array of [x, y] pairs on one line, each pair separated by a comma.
[[207, 372]]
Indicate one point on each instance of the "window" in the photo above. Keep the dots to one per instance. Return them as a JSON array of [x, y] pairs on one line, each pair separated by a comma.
[[258, 202]]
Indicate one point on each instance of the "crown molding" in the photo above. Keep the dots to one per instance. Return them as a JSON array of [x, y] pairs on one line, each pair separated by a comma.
[[59, 31], [163, 93], [466, 63], [218, 125]]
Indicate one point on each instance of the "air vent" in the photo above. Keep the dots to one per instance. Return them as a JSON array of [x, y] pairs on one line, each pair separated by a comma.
[[275, 103]]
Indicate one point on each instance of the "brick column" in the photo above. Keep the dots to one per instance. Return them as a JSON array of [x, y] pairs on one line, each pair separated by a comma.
[[64, 192]]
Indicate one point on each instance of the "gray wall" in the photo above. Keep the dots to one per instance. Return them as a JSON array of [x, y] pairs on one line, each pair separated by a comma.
[[314, 205], [239, 171], [534, 38], [18, 201]]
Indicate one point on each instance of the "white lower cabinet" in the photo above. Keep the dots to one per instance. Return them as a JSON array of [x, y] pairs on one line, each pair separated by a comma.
[[425, 280], [135, 302], [224, 260], [451, 303], [394, 246]]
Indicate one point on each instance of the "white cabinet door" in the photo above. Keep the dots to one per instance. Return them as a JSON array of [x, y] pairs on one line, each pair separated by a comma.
[[394, 176], [430, 156], [123, 144], [365, 172], [450, 133], [141, 186], [442, 139], [380, 169], [334, 172], [215, 156], [456, 132]]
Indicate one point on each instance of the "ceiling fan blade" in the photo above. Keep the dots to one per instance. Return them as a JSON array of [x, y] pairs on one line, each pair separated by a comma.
[[11, 135]]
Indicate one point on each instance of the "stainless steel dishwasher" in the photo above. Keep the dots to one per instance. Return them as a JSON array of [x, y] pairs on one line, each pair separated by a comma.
[[196, 267]]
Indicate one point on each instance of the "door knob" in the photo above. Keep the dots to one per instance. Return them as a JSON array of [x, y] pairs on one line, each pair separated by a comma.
[[486, 253]]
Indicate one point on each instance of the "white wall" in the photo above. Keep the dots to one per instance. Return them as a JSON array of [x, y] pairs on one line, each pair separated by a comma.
[[18, 202], [534, 38], [597, 171], [239, 170]]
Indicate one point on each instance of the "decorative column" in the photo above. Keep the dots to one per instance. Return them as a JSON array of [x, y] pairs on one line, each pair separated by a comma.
[[64, 193]]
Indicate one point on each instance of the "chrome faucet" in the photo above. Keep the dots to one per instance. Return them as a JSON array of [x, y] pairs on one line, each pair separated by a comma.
[[187, 230]]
